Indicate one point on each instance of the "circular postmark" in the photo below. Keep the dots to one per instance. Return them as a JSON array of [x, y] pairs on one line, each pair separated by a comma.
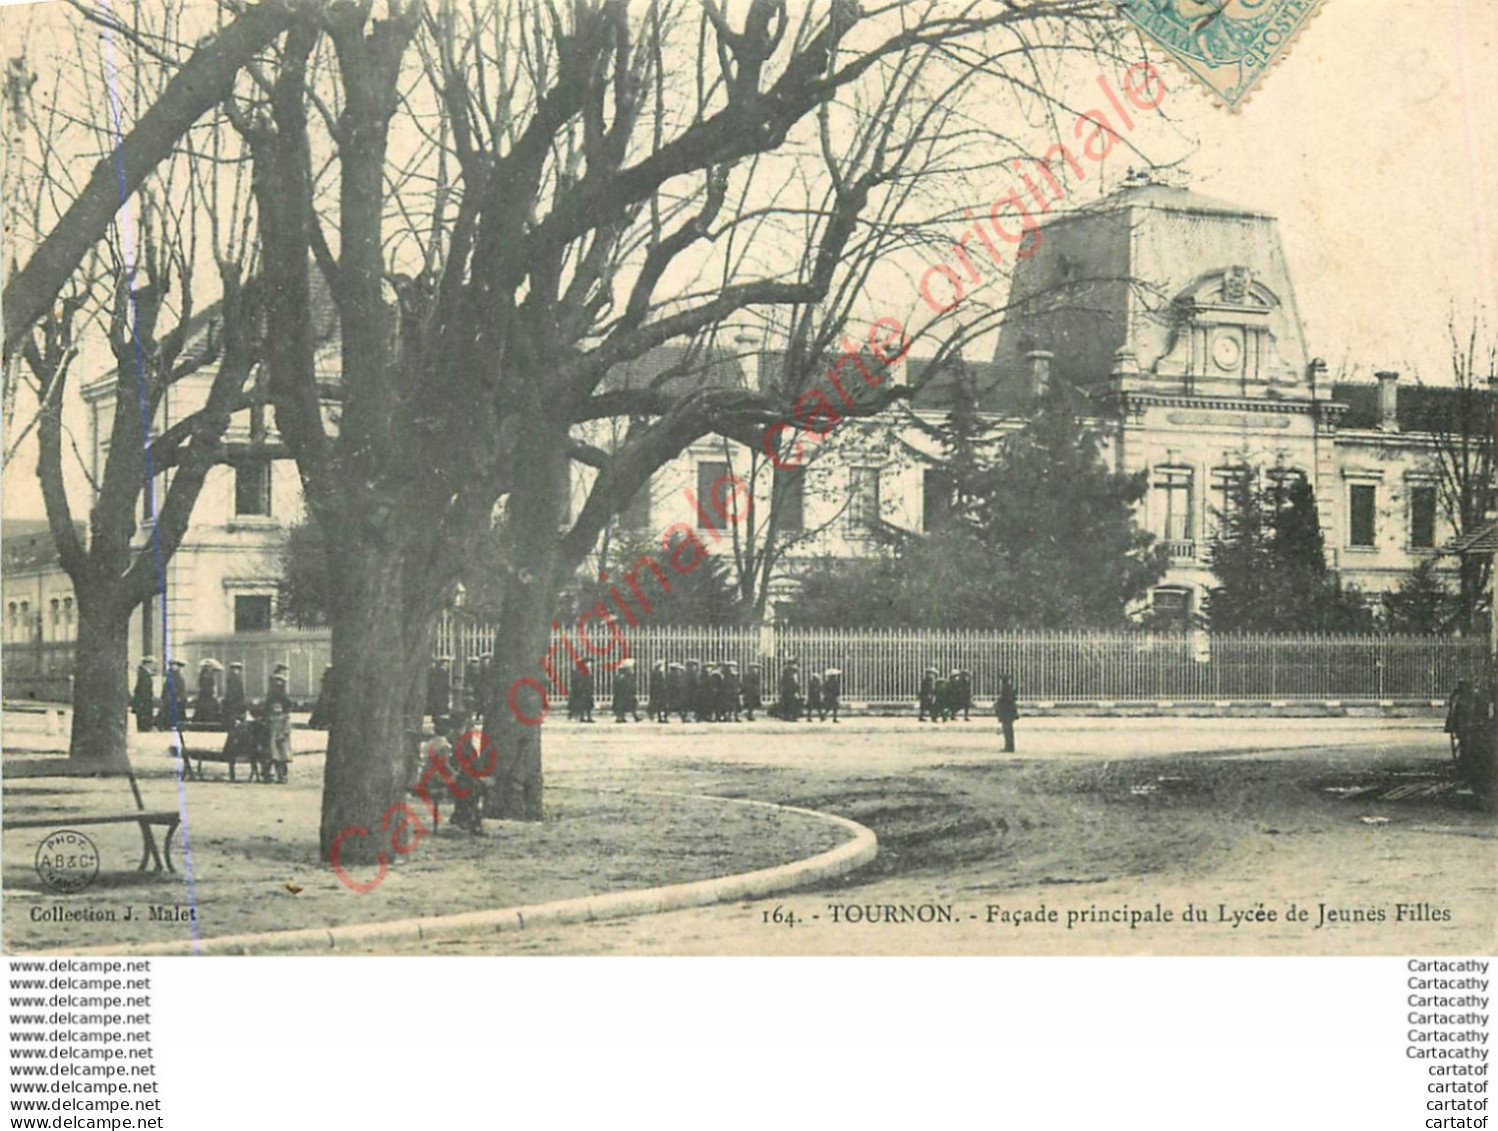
[[67, 861]]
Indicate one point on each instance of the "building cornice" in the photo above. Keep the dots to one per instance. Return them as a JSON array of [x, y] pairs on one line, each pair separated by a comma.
[[1227, 404]]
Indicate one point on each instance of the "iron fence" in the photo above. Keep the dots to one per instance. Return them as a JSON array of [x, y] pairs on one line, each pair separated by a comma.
[[886, 665], [305, 652], [882, 665]]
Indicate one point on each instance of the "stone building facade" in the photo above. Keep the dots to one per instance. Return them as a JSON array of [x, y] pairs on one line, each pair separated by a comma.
[[1173, 314]]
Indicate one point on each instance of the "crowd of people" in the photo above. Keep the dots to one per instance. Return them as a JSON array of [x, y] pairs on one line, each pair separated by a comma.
[[711, 692], [259, 732], [694, 691], [717, 692]]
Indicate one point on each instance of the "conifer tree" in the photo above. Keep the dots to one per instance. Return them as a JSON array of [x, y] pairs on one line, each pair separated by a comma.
[[1270, 561]]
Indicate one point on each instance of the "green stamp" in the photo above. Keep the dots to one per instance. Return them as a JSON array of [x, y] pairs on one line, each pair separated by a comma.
[[1228, 45]]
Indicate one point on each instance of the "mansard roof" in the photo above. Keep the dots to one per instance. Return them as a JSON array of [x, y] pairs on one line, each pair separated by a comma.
[[1138, 193], [1126, 275], [1421, 408]]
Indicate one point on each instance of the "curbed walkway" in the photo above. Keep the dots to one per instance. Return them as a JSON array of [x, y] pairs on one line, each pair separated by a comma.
[[847, 857]]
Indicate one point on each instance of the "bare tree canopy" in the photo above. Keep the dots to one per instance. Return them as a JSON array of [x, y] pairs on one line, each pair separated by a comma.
[[515, 207]]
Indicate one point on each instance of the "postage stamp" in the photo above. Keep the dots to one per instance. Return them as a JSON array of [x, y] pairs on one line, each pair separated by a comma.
[[1228, 45]]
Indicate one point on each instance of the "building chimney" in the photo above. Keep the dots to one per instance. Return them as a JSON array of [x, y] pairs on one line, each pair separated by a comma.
[[1388, 400], [1040, 371]]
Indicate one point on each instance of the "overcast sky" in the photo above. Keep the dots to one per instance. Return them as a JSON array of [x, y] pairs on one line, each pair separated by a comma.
[[1373, 141], [1374, 144]]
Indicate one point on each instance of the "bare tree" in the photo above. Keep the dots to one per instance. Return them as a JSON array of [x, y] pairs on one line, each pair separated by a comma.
[[525, 199], [1465, 429], [508, 202], [199, 82], [139, 294]]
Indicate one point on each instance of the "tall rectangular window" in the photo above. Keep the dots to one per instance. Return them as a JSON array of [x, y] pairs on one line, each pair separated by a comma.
[[709, 471], [936, 497], [1226, 485], [1362, 504], [790, 501], [1422, 518], [252, 488], [252, 613], [863, 499], [1173, 503]]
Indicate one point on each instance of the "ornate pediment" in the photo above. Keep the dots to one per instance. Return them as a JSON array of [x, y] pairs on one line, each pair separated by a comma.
[[1223, 331], [1233, 288]]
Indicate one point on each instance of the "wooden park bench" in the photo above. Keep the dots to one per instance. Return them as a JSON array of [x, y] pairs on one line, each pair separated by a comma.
[[194, 756], [147, 819], [229, 754]]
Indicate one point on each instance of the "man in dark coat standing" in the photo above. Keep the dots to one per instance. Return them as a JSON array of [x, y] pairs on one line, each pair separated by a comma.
[[964, 695], [676, 691], [660, 706], [941, 699], [626, 692], [711, 708], [814, 698], [693, 691], [473, 676], [322, 710], [1006, 710], [752, 692], [173, 697], [143, 698], [789, 705], [440, 692], [731, 691], [580, 698], [928, 695], [832, 692], [236, 706], [207, 708]]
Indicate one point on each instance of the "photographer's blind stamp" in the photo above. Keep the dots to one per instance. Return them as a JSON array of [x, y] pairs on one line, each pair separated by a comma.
[[1227, 45]]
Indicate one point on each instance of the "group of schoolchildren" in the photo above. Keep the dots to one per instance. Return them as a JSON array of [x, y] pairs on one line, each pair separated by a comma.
[[715, 692], [712, 692], [942, 698], [824, 694], [258, 733]]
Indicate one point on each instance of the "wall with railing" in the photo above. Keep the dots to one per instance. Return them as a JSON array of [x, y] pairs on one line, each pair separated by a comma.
[[304, 652], [38, 669], [882, 666]]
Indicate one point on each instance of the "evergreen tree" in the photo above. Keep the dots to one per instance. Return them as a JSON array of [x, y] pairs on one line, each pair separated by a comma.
[[704, 595], [1063, 526], [1039, 533], [1422, 605], [1269, 557]]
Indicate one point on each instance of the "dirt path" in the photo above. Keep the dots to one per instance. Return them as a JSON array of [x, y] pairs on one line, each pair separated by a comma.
[[1355, 822], [1096, 817]]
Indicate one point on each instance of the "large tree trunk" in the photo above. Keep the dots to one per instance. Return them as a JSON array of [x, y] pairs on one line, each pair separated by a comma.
[[523, 634], [382, 646], [101, 673]]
